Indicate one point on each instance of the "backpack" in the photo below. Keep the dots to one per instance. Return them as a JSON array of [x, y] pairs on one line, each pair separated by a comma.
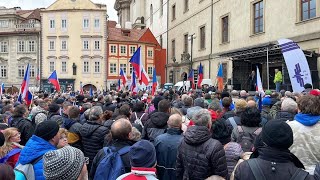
[[26, 171], [111, 166], [13, 152], [138, 120], [258, 173], [247, 139]]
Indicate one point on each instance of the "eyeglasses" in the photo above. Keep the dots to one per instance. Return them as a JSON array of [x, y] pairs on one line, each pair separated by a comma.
[[86, 160]]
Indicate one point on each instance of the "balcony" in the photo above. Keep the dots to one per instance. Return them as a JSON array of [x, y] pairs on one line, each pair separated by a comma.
[[25, 26]]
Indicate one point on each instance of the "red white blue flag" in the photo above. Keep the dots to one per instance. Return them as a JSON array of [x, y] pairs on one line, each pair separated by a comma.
[[133, 86], [81, 88], [191, 78], [38, 75], [220, 77], [123, 76], [154, 81], [24, 90], [53, 78], [200, 76], [136, 62]]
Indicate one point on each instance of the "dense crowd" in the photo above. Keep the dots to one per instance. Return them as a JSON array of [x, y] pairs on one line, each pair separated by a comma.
[[172, 135]]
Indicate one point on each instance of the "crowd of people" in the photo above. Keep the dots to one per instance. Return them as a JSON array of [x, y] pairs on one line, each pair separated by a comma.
[[169, 136]]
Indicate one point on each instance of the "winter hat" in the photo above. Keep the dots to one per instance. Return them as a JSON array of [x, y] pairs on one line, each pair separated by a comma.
[[225, 94], [47, 130], [60, 101], [266, 101], [268, 92], [143, 154], [64, 163], [277, 134], [199, 102], [315, 92], [53, 107]]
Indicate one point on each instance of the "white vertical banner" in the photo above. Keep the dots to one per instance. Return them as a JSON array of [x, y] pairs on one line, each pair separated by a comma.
[[297, 64], [259, 87]]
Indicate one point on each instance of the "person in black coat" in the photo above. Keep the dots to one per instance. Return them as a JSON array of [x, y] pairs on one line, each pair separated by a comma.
[[119, 138], [253, 81], [166, 148], [273, 158], [93, 134], [200, 156], [19, 121], [157, 124]]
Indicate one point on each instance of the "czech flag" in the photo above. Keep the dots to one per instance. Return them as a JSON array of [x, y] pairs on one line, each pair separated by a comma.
[[25, 83], [28, 98], [154, 81], [136, 62], [220, 78], [123, 77], [81, 88], [144, 77], [38, 75], [54, 80], [133, 83], [200, 75], [1, 89], [191, 77]]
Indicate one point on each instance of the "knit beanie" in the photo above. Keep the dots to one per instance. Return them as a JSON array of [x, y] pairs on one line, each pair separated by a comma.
[[277, 134], [143, 154], [47, 130], [64, 163]]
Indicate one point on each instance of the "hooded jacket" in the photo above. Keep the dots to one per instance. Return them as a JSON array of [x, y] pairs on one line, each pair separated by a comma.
[[200, 156], [93, 135], [25, 127], [39, 114], [306, 132], [35, 148], [285, 116], [156, 125], [55, 117], [74, 128]]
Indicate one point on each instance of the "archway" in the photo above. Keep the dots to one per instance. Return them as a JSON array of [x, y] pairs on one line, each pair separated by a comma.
[[88, 86], [11, 90]]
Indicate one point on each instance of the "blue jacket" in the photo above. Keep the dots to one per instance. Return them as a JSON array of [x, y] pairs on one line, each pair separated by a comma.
[[167, 147], [35, 148]]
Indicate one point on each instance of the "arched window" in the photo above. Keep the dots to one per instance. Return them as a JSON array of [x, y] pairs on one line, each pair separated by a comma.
[[151, 14]]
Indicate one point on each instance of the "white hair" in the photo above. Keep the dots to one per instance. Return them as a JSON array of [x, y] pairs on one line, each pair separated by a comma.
[[243, 93], [287, 94], [289, 105]]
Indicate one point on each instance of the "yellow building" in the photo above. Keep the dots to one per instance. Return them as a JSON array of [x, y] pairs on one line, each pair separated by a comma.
[[73, 43]]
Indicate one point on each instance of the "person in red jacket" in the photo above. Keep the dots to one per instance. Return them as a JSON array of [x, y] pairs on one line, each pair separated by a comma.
[[10, 151]]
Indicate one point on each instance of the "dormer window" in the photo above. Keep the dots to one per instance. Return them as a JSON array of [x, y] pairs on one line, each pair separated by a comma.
[[126, 32]]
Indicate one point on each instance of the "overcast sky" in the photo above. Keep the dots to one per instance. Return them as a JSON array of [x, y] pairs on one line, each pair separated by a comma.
[[32, 4]]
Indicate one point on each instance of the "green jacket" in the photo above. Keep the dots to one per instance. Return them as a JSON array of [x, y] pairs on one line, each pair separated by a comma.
[[278, 77]]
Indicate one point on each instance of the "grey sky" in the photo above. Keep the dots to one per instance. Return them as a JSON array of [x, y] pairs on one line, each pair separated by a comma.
[[32, 4]]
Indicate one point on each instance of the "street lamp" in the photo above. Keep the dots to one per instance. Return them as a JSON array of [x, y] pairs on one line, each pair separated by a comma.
[[174, 70], [191, 38]]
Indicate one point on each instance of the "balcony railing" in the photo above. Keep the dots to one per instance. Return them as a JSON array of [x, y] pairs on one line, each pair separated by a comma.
[[25, 26]]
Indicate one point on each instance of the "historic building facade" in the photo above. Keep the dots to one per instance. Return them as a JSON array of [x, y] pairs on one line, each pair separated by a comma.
[[74, 44], [122, 43], [19, 45]]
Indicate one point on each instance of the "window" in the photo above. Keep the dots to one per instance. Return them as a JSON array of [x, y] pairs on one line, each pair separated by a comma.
[[258, 17], [186, 5], [173, 48], [51, 66], [113, 49], [124, 67], [173, 12], [203, 37], [64, 24], [96, 45], [113, 68], [186, 42], [32, 71], [161, 7], [225, 29], [51, 45], [97, 67], [130, 68], [21, 71], [52, 24], [132, 49], [4, 47], [161, 40], [150, 53], [85, 45], [63, 66], [150, 70], [97, 23], [63, 45], [85, 66], [85, 23], [32, 47], [123, 49], [308, 9], [21, 46], [4, 23], [3, 71], [151, 14]]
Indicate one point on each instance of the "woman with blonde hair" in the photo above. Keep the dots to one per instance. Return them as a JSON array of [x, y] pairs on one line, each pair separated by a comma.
[[10, 151], [63, 141]]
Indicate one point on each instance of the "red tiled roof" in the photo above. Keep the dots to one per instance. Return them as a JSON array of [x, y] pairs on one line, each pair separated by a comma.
[[116, 34], [112, 24], [35, 15], [20, 12]]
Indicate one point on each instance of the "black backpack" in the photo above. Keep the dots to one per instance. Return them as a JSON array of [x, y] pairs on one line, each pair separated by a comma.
[[247, 139]]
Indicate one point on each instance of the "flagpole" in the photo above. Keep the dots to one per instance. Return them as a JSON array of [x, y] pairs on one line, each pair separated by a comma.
[[268, 67]]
